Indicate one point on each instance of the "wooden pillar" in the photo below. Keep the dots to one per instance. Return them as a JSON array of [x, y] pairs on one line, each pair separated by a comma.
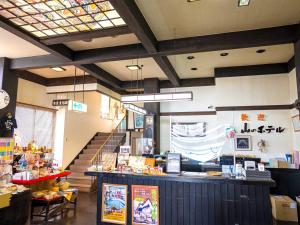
[[8, 83], [151, 85], [297, 66]]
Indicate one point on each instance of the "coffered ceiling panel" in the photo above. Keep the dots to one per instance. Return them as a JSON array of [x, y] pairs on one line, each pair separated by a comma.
[[11, 46], [125, 39], [119, 69], [171, 19], [50, 73], [205, 62]]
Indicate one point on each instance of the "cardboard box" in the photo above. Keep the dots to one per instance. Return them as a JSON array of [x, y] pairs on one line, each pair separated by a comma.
[[283, 164], [284, 208]]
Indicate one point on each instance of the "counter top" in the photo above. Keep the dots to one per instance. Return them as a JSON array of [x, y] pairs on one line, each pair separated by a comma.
[[194, 178]]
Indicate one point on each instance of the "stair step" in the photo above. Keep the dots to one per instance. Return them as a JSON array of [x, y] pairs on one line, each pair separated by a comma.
[[93, 146], [79, 181], [82, 187], [83, 162], [101, 138], [76, 168], [98, 142], [86, 156], [78, 174], [90, 151]]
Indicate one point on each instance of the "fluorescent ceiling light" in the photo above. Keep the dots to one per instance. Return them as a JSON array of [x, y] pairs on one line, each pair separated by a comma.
[[135, 109], [158, 97], [134, 67], [58, 69], [244, 2]]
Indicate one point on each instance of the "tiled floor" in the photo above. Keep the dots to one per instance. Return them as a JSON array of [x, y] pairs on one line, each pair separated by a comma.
[[85, 213]]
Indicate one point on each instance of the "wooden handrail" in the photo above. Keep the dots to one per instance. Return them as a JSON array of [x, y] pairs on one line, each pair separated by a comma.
[[97, 153]]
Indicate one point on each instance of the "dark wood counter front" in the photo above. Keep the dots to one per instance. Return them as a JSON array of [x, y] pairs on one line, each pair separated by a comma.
[[191, 200]]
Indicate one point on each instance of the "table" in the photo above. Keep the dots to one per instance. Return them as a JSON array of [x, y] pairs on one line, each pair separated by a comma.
[[18, 211]]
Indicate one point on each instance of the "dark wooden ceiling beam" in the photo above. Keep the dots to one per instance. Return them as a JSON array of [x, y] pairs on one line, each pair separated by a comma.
[[242, 39], [192, 82], [135, 20], [29, 76], [251, 70], [234, 40], [101, 75], [111, 32], [291, 64]]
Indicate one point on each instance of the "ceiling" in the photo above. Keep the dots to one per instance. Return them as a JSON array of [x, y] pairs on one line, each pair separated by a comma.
[[104, 42], [50, 73], [11, 46], [60, 17], [178, 18], [205, 62], [119, 69]]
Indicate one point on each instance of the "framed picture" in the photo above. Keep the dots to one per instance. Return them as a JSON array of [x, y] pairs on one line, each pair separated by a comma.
[[145, 205], [138, 121], [243, 143], [296, 123], [114, 203], [149, 126]]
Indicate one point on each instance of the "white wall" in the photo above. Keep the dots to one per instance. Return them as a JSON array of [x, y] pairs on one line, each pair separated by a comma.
[[72, 130], [293, 97], [81, 127], [239, 91], [34, 94]]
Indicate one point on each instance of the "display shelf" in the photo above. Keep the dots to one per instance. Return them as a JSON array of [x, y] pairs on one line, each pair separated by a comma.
[[40, 179]]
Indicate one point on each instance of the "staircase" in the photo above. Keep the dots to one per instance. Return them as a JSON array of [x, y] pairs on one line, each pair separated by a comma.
[[102, 142]]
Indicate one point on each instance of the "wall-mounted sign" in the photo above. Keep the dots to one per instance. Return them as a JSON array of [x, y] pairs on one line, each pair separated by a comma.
[[60, 102], [77, 106], [173, 163], [4, 99], [114, 203], [262, 129], [145, 205]]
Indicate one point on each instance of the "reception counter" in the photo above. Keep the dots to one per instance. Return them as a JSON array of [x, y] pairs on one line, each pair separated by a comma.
[[197, 200]]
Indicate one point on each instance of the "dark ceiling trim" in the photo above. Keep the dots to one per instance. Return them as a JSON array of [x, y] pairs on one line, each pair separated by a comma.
[[70, 80], [235, 40], [87, 35], [192, 82], [255, 107], [291, 64], [252, 70], [101, 75], [135, 20], [26, 75], [196, 113], [168, 69], [59, 50]]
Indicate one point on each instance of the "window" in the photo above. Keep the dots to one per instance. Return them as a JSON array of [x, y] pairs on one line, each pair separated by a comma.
[[35, 124]]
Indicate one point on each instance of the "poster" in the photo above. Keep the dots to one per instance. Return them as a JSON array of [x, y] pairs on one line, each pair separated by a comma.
[[114, 203], [6, 150], [145, 205], [138, 121]]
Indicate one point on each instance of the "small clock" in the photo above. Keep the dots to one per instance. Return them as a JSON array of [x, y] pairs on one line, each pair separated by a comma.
[[4, 99]]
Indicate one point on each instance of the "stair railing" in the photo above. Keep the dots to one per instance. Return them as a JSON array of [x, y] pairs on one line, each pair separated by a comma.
[[110, 144]]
